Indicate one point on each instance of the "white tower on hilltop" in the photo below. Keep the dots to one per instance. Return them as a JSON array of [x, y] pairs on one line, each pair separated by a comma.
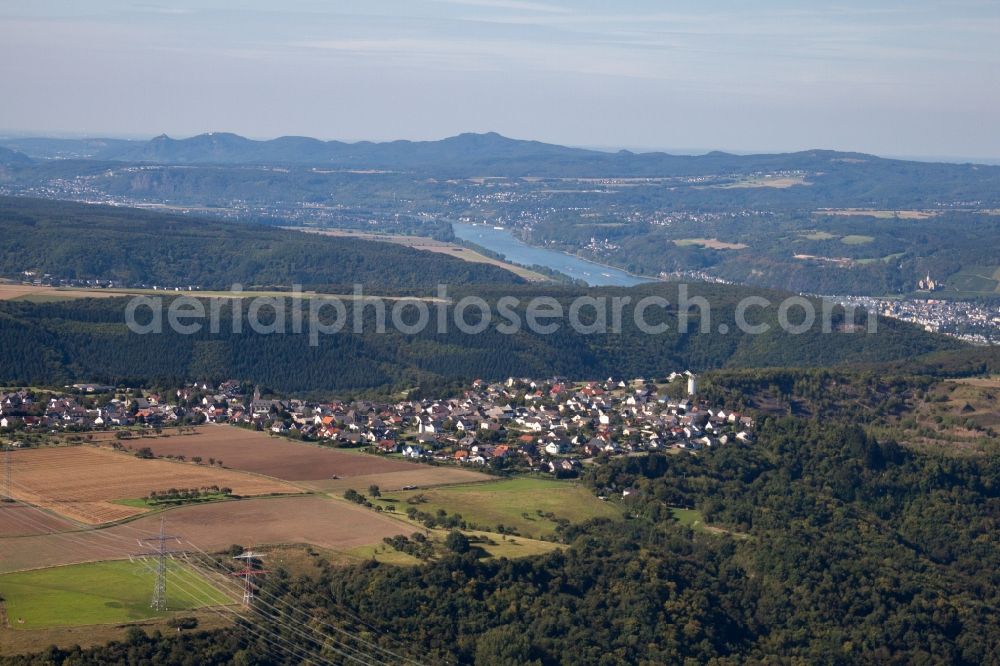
[[692, 385]]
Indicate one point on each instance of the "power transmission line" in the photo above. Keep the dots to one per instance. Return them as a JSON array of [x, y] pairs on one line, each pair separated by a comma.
[[295, 626], [161, 553], [269, 637], [301, 627], [8, 474], [248, 573]]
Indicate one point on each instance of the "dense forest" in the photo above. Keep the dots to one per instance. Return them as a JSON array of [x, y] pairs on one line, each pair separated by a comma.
[[826, 546], [87, 340], [132, 248]]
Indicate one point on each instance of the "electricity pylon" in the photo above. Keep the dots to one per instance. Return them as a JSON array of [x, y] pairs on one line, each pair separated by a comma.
[[160, 552], [248, 573]]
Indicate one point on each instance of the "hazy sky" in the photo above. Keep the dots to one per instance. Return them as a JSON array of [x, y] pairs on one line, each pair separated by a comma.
[[900, 77]]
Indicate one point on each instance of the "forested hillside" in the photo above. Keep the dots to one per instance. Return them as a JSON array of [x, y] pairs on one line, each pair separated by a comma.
[[87, 340], [133, 248]]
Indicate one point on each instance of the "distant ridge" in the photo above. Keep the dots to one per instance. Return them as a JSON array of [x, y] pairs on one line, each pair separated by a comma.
[[10, 157], [228, 148], [463, 155]]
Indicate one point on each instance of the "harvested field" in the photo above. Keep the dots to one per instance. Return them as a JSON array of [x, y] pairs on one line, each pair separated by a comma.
[[422, 476], [857, 239], [326, 523], [710, 243], [11, 291], [80, 482], [880, 214], [17, 519], [431, 245], [778, 182], [274, 456], [43, 294], [333, 524]]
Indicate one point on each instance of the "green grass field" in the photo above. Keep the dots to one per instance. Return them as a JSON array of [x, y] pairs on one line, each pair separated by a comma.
[[886, 259], [688, 517], [99, 593], [513, 547], [696, 521], [143, 503], [974, 281], [512, 503], [857, 240]]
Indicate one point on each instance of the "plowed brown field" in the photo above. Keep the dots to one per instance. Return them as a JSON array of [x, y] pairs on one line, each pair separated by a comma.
[[274, 456], [323, 522], [80, 482], [17, 519]]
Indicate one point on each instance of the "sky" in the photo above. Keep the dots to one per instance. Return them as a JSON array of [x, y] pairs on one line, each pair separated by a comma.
[[902, 78]]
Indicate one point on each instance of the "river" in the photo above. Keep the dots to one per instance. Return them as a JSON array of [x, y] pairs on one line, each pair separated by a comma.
[[517, 251]]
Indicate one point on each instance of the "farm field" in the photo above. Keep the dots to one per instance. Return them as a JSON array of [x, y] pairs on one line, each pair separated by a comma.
[[282, 458], [431, 245], [17, 519], [100, 593], [43, 294], [974, 281], [710, 243], [819, 235], [518, 503], [422, 476], [766, 181], [879, 214], [81, 482], [857, 239], [27, 641], [326, 523], [10, 292]]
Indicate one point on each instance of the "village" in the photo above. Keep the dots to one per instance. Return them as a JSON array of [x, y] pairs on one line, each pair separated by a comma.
[[550, 426]]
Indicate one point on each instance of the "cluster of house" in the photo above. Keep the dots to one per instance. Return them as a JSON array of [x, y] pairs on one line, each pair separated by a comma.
[[26, 410], [550, 425]]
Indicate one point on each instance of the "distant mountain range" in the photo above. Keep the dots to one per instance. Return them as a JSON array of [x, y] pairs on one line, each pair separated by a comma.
[[10, 157], [227, 148], [489, 154]]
